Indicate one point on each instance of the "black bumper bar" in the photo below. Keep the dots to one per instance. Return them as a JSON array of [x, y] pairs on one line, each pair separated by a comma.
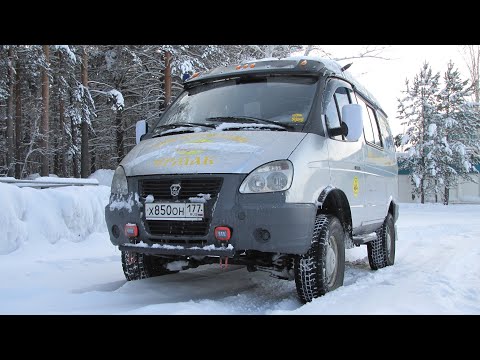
[[178, 250]]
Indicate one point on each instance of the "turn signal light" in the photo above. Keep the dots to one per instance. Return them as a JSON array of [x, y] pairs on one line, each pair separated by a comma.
[[223, 233], [131, 230]]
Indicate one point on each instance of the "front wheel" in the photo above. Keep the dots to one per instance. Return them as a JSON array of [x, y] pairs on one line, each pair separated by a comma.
[[381, 251], [322, 268], [138, 266]]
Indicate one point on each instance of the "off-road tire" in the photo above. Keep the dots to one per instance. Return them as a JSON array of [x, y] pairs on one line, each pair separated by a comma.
[[141, 266], [380, 254], [311, 277]]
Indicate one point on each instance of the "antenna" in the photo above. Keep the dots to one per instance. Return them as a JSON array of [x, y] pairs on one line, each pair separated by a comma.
[[346, 67]]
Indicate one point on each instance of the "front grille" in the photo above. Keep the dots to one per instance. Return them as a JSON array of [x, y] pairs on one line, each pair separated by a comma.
[[167, 227], [159, 187]]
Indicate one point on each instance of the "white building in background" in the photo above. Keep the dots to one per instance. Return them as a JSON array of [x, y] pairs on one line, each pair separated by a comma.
[[464, 192]]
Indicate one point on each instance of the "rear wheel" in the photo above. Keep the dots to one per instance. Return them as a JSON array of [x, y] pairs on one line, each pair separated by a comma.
[[381, 251], [322, 268], [141, 266]]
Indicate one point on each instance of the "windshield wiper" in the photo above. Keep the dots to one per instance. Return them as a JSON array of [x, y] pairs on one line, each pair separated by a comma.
[[157, 132], [190, 124], [250, 119]]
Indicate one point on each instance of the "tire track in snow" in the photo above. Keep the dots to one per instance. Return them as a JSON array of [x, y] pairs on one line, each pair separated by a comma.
[[436, 271]]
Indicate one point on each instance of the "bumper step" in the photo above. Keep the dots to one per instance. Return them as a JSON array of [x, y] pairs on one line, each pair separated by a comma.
[[362, 240]]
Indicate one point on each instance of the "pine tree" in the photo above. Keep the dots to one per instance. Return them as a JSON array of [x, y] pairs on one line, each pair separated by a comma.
[[31, 60], [125, 84], [64, 66], [10, 114], [3, 115], [459, 146], [18, 118], [418, 109], [44, 128], [87, 119], [81, 110]]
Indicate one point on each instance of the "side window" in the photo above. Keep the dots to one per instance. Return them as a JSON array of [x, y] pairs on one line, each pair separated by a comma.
[[385, 132], [342, 98], [367, 126], [333, 120], [373, 120], [334, 109], [370, 126]]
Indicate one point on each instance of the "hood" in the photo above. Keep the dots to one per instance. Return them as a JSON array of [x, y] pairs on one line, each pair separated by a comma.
[[210, 152]]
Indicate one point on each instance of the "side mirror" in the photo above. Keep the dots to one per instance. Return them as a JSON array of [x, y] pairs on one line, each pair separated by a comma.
[[352, 116], [141, 129]]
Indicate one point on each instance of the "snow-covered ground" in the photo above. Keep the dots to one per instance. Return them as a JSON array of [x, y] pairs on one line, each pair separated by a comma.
[[56, 258]]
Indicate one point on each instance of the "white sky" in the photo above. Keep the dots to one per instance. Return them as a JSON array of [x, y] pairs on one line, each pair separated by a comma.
[[385, 79]]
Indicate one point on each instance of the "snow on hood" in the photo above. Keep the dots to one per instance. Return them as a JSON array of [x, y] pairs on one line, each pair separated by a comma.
[[210, 152]]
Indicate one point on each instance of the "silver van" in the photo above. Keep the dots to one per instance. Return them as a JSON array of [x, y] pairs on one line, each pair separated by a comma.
[[278, 165]]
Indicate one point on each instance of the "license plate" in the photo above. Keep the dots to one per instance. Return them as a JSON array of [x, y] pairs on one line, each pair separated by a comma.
[[174, 211]]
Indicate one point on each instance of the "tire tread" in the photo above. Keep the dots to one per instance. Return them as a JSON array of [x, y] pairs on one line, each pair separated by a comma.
[[310, 278]]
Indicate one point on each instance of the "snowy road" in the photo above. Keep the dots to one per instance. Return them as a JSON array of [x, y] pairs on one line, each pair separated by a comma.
[[437, 271]]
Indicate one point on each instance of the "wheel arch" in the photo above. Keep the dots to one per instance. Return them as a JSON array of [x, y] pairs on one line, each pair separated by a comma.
[[334, 201], [393, 209]]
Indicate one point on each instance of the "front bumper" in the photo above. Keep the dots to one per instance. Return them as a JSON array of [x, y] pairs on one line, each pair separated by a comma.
[[262, 222], [157, 249]]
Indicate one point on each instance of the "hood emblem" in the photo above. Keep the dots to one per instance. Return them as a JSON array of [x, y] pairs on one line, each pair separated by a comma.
[[175, 189]]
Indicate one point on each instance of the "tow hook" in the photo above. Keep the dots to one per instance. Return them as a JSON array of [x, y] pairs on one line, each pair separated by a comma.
[[224, 262]]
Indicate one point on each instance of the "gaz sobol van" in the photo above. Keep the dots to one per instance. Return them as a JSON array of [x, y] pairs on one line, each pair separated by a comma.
[[277, 165]]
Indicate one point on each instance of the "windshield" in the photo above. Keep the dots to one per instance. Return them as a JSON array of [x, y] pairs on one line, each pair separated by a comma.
[[285, 101]]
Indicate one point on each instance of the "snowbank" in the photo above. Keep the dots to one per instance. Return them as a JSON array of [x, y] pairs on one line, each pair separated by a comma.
[[436, 268], [104, 176], [33, 217]]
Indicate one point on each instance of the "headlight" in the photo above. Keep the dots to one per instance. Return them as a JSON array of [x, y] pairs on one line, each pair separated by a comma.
[[274, 176], [119, 182]]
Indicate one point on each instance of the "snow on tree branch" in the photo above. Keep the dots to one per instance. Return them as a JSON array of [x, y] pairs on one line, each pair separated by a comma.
[[66, 49], [116, 97], [442, 131], [374, 52]]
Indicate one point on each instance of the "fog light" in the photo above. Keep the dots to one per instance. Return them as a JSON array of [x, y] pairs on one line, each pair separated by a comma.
[[131, 230], [223, 233]]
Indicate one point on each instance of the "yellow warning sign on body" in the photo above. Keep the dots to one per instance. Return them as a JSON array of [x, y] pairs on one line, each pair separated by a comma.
[[356, 186]]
